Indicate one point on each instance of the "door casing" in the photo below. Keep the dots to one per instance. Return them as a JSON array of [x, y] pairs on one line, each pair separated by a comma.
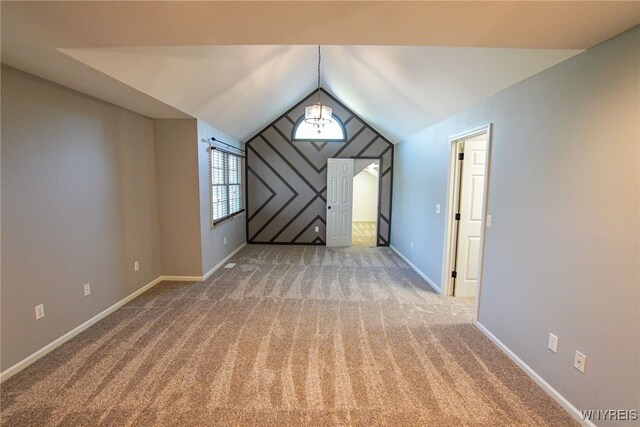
[[450, 237]]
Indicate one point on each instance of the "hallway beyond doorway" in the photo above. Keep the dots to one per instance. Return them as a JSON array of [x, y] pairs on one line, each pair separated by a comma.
[[364, 233]]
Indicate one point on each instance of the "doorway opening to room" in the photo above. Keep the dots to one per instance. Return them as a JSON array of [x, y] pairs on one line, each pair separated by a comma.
[[466, 213], [353, 201], [366, 189]]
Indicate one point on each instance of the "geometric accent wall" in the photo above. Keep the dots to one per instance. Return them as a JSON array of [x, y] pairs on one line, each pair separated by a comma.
[[287, 180]]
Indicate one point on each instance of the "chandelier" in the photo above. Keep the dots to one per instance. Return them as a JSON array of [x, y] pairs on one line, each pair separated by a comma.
[[317, 114]]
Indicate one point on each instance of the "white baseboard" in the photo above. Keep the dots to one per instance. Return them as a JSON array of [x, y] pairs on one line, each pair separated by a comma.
[[417, 270], [208, 273], [562, 401], [11, 371], [223, 262]]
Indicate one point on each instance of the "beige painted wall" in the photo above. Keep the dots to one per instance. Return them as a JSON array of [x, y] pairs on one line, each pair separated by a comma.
[[178, 196], [563, 252], [214, 249], [78, 206]]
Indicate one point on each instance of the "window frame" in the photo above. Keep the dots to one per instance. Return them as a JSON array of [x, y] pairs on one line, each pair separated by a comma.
[[238, 180], [334, 118]]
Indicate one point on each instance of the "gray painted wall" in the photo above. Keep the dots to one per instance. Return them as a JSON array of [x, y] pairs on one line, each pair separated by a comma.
[[214, 249], [78, 206], [178, 196], [287, 180], [190, 247], [563, 252]]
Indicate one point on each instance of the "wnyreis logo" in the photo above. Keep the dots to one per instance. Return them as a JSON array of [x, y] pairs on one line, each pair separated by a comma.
[[610, 414]]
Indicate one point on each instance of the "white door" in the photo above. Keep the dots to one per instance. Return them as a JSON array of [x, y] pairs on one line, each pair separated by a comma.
[[470, 222], [339, 201]]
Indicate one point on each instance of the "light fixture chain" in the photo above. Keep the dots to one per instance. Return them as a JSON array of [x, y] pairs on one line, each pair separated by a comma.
[[319, 59]]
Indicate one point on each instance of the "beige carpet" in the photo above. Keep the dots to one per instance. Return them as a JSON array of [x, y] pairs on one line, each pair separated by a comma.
[[290, 336]]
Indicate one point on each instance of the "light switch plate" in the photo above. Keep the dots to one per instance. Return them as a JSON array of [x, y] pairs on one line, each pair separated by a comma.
[[488, 221], [437, 208]]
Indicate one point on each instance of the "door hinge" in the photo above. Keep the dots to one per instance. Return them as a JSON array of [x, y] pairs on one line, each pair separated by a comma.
[[457, 217], [460, 156], [454, 274]]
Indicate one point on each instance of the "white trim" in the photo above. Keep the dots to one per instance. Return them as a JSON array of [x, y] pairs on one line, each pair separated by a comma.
[[11, 371], [562, 401], [447, 258], [207, 274], [223, 262], [417, 270]]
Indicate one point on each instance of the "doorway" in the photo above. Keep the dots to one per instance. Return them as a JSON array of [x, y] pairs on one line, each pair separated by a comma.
[[466, 213], [365, 202]]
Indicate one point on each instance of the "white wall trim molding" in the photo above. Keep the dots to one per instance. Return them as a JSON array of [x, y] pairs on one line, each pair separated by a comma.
[[207, 274], [11, 371], [562, 401], [224, 261], [417, 270]]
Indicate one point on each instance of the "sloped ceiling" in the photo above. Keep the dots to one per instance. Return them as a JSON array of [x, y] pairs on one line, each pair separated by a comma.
[[398, 89], [239, 64]]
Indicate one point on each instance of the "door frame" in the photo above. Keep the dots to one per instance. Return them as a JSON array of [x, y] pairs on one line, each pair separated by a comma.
[[380, 169], [453, 186]]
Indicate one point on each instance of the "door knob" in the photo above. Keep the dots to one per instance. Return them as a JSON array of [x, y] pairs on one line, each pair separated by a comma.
[[328, 207]]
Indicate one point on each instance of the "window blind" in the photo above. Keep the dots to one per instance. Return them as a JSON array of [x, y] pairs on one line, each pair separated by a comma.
[[227, 187]]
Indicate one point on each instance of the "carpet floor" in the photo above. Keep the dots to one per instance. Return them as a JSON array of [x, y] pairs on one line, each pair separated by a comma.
[[292, 335]]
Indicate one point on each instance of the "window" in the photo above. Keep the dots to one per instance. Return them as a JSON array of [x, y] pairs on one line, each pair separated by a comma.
[[334, 131], [227, 193]]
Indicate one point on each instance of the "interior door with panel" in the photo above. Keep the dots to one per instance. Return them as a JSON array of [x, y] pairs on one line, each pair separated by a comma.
[[470, 223], [339, 201]]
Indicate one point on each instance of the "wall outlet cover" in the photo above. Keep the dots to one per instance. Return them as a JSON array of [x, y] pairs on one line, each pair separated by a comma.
[[553, 343], [87, 289], [39, 311], [580, 362]]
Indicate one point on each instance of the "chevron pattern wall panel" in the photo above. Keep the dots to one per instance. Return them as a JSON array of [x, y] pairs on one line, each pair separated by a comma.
[[287, 180]]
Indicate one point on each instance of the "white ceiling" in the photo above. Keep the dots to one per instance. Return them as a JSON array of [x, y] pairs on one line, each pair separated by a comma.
[[400, 90], [240, 64]]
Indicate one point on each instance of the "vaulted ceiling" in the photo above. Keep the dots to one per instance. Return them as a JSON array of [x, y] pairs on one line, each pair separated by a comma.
[[237, 65]]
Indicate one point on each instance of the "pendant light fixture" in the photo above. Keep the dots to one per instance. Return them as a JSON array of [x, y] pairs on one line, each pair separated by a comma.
[[317, 114]]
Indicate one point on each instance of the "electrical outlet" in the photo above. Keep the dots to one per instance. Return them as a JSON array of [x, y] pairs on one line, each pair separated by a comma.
[[136, 265], [553, 343], [39, 311], [580, 361], [411, 245], [87, 289], [488, 221], [225, 240], [317, 229], [437, 208]]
